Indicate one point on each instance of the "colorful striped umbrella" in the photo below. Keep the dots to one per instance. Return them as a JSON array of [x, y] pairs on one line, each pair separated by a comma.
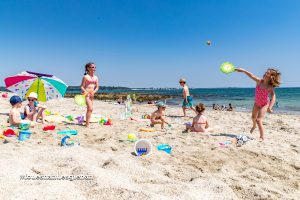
[[45, 85]]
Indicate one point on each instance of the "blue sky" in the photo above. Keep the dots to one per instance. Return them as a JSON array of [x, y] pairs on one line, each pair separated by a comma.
[[151, 43]]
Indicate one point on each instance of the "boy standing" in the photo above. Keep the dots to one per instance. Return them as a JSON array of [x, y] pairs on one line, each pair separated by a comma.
[[187, 99]]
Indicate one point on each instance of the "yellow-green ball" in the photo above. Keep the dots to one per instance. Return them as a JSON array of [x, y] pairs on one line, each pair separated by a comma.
[[131, 136]]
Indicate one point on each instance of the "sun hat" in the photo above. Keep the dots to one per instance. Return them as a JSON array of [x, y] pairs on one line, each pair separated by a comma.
[[182, 80], [14, 100], [161, 105], [33, 95]]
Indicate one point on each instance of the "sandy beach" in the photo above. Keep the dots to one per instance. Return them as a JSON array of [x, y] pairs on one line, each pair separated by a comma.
[[197, 168]]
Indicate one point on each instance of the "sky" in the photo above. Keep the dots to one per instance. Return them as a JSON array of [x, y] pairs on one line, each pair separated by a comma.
[[151, 43]]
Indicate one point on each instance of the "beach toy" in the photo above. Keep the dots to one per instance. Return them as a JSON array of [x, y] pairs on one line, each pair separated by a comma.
[[146, 117], [188, 124], [242, 139], [9, 133], [80, 119], [5, 95], [103, 120], [107, 123], [142, 147], [68, 132], [49, 128], [47, 112], [24, 125], [224, 144], [70, 117], [165, 147], [227, 67], [131, 137], [80, 100], [147, 130], [24, 135], [66, 142]]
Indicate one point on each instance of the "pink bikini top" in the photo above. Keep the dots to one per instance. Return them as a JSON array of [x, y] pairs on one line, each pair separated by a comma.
[[91, 82]]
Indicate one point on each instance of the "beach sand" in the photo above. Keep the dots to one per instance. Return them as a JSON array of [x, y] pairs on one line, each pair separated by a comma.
[[198, 167]]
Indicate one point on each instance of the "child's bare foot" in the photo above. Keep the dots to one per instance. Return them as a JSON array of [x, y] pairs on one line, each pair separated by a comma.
[[261, 139], [252, 129]]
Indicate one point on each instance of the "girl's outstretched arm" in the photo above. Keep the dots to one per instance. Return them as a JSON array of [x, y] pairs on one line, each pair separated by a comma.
[[252, 76], [272, 102]]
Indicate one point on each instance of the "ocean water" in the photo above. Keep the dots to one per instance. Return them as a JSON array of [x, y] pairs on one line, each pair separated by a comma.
[[241, 98]]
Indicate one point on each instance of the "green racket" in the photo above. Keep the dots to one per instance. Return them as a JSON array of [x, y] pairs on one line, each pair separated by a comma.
[[80, 100], [227, 67]]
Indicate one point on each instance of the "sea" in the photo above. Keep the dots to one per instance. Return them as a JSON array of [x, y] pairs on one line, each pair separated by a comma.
[[242, 99]]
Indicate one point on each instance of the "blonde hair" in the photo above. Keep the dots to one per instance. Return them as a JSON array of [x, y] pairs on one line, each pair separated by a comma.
[[200, 108], [275, 79]]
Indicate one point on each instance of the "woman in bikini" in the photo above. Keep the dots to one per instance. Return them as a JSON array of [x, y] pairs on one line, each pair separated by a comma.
[[89, 87], [264, 87], [200, 123]]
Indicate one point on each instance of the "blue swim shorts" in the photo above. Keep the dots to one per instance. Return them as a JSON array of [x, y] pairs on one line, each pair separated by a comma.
[[189, 103]]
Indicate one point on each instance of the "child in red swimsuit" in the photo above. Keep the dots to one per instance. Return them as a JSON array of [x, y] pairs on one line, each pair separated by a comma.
[[89, 87], [264, 87]]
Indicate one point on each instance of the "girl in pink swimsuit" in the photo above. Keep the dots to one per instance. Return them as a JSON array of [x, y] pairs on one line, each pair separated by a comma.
[[264, 88], [200, 123], [89, 87]]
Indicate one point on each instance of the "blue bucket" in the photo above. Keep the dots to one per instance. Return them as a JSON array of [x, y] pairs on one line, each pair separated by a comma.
[[24, 135]]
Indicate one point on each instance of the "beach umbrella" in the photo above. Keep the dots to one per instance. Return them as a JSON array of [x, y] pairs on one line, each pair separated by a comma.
[[45, 85]]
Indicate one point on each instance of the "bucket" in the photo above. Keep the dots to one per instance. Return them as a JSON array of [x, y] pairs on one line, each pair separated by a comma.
[[24, 135], [24, 125], [142, 147]]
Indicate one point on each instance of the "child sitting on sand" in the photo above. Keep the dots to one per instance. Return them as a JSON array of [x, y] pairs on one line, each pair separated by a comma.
[[200, 123], [14, 114], [264, 87], [230, 108], [33, 111], [89, 87], [158, 116]]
